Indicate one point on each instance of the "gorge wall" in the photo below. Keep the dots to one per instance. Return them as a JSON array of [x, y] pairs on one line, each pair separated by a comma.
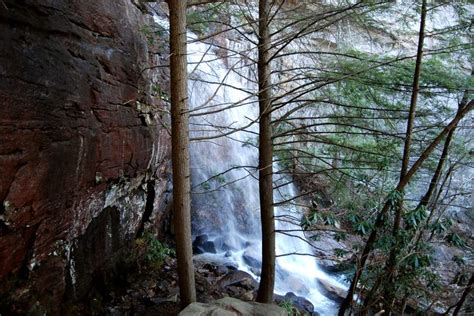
[[82, 150]]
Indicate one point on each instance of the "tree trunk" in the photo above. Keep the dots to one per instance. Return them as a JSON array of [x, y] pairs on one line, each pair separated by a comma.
[[180, 152], [464, 296], [390, 268], [267, 281]]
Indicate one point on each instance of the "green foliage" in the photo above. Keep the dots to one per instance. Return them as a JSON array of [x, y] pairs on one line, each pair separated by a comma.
[[415, 217], [455, 240], [154, 34], [206, 186], [394, 198], [199, 18], [441, 226], [362, 228], [339, 252], [159, 92], [461, 261], [148, 250], [316, 217], [340, 236], [217, 180], [417, 261], [290, 309]]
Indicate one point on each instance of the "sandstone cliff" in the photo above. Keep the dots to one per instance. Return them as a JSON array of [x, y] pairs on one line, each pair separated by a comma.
[[83, 157]]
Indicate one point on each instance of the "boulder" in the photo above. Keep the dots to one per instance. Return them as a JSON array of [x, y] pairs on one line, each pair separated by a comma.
[[208, 246], [332, 266], [200, 239], [300, 303], [332, 291], [202, 244], [253, 257], [232, 307], [252, 262], [238, 278]]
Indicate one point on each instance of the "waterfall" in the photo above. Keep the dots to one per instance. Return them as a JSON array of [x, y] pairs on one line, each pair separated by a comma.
[[225, 201], [226, 207]]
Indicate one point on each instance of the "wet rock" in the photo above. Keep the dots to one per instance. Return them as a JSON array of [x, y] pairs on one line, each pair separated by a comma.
[[198, 246], [332, 291], [253, 257], [296, 285], [208, 246], [232, 307], [299, 302], [331, 266], [232, 266], [238, 278], [226, 243], [251, 261], [202, 244], [200, 239]]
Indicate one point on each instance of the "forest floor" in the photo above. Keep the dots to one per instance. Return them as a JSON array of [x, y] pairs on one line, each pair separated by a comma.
[[153, 290]]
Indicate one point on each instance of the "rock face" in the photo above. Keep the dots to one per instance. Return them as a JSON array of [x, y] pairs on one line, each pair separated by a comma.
[[83, 157], [232, 307]]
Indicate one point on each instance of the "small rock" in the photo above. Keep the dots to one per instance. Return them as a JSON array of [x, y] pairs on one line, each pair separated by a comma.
[[248, 296]]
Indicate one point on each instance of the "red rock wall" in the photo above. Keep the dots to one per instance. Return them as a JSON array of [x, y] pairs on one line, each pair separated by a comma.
[[78, 133]]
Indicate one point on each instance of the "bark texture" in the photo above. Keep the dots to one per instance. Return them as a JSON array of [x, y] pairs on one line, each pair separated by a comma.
[[267, 281], [180, 152]]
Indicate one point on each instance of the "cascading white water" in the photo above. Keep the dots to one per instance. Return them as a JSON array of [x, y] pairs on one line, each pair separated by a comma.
[[224, 176], [226, 207]]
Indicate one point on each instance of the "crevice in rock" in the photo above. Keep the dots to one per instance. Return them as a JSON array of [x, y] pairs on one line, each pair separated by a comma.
[[150, 198], [33, 28], [94, 256], [3, 228], [76, 54], [24, 270]]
